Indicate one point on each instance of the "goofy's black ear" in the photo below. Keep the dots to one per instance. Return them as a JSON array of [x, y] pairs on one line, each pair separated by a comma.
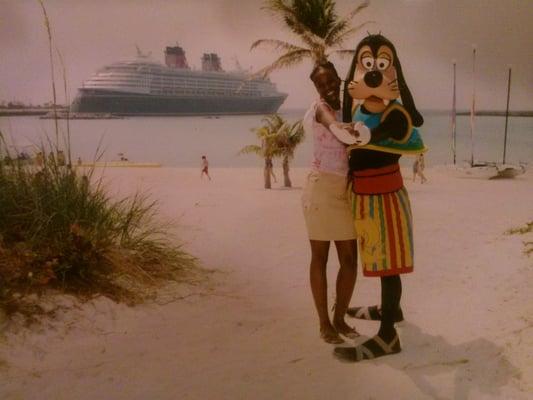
[[347, 102], [407, 98]]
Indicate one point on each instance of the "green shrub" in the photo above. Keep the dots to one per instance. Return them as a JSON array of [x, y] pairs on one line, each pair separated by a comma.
[[59, 229]]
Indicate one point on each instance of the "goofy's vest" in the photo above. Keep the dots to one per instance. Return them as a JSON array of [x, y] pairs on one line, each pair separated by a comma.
[[386, 179], [410, 144]]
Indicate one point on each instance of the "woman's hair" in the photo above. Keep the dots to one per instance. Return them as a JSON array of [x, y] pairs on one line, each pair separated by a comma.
[[323, 65]]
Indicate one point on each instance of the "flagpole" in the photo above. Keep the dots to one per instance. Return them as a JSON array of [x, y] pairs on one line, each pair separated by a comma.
[[473, 106], [507, 114], [454, 114]]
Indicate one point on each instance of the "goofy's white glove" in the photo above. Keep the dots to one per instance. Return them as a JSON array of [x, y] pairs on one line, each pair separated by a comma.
[[364, 133], [352, 134]]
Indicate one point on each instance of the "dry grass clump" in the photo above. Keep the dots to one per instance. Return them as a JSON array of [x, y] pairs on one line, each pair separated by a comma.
[[528, 228], [59, 230]]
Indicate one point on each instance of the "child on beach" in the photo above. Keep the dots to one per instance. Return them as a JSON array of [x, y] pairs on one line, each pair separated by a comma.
[[326, 206], [205, 168], [418, 168]]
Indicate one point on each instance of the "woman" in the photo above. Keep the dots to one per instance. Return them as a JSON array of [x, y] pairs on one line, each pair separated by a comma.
[[326, 206]]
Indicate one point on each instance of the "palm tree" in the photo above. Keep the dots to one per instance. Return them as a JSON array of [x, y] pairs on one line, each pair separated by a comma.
[[287, 140], [317, 25], [268, 149]]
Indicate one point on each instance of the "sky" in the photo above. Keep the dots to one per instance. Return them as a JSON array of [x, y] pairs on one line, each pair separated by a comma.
[[428, 35]]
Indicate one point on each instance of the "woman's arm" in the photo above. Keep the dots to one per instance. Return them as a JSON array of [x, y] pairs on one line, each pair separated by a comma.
[[348, 133], [325, 115]]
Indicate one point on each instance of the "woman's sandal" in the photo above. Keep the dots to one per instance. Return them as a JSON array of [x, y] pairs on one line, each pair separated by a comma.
[[372, 348], [372, 313], [350, 333], [331, 337]]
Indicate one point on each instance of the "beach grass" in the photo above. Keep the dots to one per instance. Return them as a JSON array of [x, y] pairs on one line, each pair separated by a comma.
[[60, 230], [527, 229]]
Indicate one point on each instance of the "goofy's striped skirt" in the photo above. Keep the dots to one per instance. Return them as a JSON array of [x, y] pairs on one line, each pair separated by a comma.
[[383, 223]]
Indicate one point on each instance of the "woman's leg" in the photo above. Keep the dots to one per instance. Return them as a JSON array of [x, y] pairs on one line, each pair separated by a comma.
[[347, 253], [319, 288]]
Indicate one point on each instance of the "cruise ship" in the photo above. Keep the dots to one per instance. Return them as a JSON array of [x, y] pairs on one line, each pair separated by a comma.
[[145, 87]]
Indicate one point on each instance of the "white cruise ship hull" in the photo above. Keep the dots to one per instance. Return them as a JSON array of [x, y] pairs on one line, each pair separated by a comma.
[[102, 101]]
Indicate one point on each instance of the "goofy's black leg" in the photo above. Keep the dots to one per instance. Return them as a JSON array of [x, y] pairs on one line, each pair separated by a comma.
[[386, 341], [391, 293]]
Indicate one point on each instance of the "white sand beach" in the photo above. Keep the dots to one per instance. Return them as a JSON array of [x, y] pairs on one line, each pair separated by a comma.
[[251, 332]]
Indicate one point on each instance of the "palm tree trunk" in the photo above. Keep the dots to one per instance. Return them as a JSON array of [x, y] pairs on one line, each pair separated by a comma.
[[286, 178], [268, 162]]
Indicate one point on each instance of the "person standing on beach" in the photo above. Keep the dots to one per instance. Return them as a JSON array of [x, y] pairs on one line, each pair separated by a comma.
[[418, 168], [205, 168], [326, 206]]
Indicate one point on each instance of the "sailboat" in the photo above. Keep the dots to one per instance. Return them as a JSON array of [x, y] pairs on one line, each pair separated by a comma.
[[508, 170], [479, 169]]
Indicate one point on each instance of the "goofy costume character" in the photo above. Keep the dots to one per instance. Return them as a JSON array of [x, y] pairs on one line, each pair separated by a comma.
[[386, 129]]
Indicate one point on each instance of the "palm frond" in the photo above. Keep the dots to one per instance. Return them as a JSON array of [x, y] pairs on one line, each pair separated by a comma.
[[309, 19], [296, 134], [357, 10], [310, 39], [276, 44], [316, 23], [277, 7], [251, 149], [275, 122], [286, 60], [336, 30], [271, 125], [297, 131], [262, 132], [278, 138], [339, 29], [315, 16], [342, 36]]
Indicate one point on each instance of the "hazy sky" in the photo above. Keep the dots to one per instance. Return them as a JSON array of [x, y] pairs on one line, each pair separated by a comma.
[[428, 35]]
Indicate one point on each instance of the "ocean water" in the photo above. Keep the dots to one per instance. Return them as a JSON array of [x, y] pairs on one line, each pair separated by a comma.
[[181, 141]]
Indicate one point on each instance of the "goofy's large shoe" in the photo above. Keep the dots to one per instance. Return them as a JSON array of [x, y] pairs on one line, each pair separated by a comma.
[[372, 313], [372, 348]]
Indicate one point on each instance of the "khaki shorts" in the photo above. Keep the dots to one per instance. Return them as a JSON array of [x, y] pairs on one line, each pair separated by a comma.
[[326, 207]]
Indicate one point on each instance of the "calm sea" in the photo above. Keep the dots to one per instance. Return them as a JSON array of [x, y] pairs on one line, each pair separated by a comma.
[[181, 141]]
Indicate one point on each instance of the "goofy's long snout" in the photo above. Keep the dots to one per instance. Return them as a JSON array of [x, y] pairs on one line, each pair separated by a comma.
[[373, 79]]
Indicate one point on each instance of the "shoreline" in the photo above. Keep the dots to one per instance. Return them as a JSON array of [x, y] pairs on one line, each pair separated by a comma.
[[15, 112], [22, 112]]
